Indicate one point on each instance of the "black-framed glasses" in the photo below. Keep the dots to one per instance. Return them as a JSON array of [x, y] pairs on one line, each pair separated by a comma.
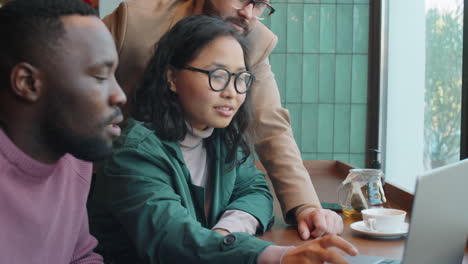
[[261, 9], [219, 79]]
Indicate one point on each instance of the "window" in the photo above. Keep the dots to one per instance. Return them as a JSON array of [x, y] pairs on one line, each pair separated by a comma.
[[106, 7], [422, 92]]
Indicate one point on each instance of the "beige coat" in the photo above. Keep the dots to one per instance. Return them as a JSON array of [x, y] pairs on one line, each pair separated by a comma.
[[138, 24]]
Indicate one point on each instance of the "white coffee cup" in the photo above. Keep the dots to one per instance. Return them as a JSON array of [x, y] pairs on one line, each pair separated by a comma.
[[384, 220]]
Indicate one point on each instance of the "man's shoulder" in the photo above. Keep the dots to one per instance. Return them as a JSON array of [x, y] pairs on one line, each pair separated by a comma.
[[139, 11], [261, 33], [149, 4], [261, 42], [83, 169]]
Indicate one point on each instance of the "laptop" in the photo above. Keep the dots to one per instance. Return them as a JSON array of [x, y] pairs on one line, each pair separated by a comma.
[[438, 229]]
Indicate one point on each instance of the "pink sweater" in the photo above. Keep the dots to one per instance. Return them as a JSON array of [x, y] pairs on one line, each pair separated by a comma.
[[43, 218]]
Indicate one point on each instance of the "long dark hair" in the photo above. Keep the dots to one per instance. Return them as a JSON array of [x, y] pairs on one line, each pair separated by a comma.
[[159, 107]]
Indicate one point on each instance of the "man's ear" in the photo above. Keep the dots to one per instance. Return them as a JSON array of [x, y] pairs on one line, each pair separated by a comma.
[[171, 79], [25, 82]]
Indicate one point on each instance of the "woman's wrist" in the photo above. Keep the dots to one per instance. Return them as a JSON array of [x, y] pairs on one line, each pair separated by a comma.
[[221, 231]]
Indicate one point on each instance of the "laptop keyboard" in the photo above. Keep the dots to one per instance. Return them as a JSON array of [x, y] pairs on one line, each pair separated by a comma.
[[389, 261]]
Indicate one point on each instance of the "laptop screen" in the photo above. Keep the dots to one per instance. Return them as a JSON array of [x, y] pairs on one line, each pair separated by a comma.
[[439, 220]]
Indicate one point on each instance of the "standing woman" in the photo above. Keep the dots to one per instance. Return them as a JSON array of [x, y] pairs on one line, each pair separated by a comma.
[[181, 186]]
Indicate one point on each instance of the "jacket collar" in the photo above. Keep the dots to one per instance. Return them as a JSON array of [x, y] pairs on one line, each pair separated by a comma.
[[174, 148]]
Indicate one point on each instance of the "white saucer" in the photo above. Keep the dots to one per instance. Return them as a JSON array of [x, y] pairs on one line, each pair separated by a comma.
[[362, 228]]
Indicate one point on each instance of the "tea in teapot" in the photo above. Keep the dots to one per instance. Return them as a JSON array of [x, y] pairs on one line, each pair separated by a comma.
[[362, 189]]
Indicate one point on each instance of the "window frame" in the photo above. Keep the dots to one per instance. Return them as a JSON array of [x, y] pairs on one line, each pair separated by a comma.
[[373, 84], [464, 107], [377, 78]]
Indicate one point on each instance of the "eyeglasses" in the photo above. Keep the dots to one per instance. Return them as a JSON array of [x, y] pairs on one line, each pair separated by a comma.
[[219, 79], [261, 9]]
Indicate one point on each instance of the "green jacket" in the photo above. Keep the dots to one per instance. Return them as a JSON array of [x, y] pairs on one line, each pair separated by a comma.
[[144, 209]]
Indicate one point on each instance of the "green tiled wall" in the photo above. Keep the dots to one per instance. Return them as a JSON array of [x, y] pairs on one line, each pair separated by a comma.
[[320, 64]]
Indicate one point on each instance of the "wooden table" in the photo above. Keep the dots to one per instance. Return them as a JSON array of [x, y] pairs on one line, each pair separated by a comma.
[[326, 176]]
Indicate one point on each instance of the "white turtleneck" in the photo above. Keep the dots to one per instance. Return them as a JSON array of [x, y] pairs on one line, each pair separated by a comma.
[[195, 156], [194, 153]]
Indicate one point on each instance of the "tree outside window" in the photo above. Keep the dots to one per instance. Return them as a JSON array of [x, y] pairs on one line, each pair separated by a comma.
[[422, 102], [444, 48]]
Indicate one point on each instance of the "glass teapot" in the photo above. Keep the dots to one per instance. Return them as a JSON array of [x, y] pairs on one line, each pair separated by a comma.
[[361, 189]]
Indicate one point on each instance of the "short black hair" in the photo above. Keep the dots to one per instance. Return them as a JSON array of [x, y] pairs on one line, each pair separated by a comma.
[[154, 102], [32, 30]]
